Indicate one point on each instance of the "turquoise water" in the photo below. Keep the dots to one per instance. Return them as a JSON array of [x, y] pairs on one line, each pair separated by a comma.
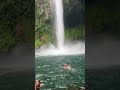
[[51, 72]]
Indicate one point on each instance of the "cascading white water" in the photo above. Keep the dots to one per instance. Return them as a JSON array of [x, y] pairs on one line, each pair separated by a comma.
[[59, 24], [63, 48]]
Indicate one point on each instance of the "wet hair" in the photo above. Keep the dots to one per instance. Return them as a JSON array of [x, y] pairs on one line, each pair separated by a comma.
[[37, 81]]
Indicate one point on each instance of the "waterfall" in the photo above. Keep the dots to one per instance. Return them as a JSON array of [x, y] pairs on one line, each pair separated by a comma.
[[59, 23], [63, 48]]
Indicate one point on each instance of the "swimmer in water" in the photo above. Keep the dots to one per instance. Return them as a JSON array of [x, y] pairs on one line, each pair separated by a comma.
[[67, 67], [38, 84]]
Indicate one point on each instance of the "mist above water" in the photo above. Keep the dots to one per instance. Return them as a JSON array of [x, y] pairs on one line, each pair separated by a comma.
[[62, 47], [68, 49]]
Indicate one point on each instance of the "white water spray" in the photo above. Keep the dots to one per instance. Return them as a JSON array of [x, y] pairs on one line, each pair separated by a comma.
[[63, 48]]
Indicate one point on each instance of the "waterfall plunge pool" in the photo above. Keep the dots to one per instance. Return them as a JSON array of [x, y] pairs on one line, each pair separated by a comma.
[[49, 69]]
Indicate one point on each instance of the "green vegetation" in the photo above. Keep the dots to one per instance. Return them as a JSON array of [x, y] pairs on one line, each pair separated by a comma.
[[76, 33], [42, 27], [7, 41], [16, 23], [102, 17]]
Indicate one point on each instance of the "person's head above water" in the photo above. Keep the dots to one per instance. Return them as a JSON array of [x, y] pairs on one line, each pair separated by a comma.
[[66, 65], [37, 84]]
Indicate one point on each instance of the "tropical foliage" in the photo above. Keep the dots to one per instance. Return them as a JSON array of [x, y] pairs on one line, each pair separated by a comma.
[[76, 33], [16, 14], [42, 27]]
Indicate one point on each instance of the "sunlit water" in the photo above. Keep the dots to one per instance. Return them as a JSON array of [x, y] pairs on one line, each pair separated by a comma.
[[51, 72]]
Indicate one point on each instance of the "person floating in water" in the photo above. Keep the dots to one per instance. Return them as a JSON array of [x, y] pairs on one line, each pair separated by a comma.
[[38, 84], [67, 67]]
